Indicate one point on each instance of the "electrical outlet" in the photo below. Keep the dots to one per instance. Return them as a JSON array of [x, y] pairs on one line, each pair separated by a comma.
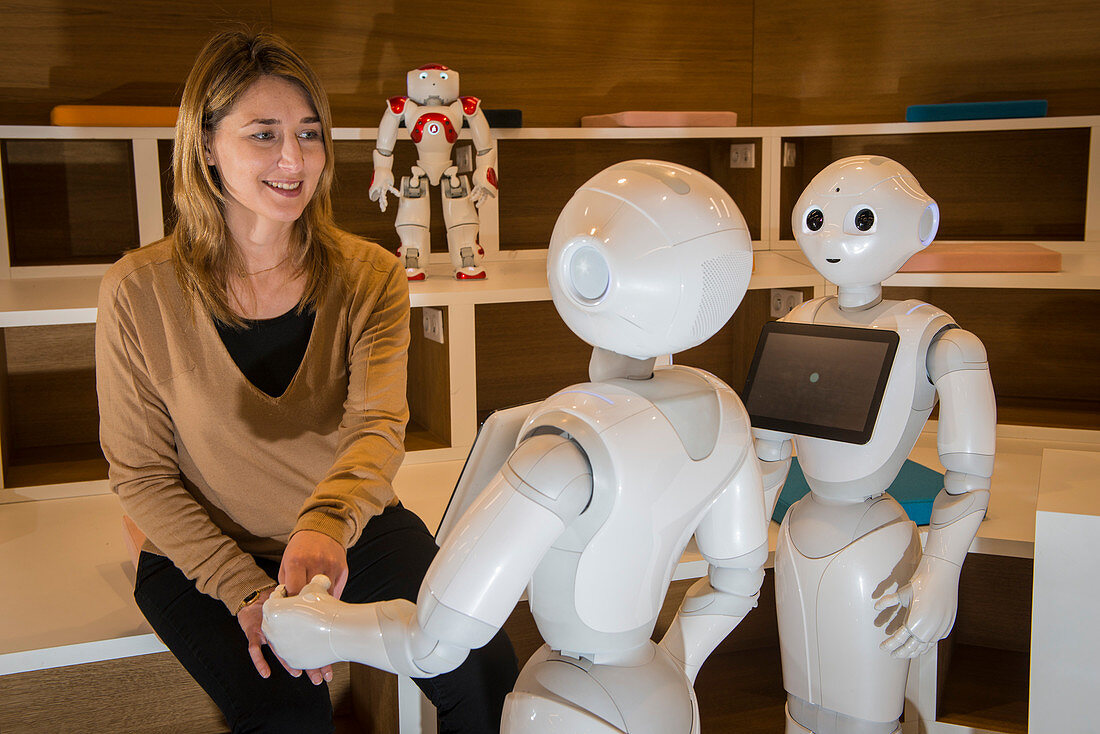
[[784, 301], [433, 324], [790, 154], [742, 155]]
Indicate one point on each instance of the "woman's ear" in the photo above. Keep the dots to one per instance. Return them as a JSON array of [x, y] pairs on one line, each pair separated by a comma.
[[207, 155]]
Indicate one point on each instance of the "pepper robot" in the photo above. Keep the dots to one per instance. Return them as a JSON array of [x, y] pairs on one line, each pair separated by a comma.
[[601, 486], [856, 595], [434, 113]]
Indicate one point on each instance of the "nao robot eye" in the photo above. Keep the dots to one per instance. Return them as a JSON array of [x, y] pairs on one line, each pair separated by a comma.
[[814, 219], [865, 219]]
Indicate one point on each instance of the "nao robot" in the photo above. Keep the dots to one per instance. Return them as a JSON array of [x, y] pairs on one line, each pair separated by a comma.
[[856, 596], [433, 113], [600, 486]]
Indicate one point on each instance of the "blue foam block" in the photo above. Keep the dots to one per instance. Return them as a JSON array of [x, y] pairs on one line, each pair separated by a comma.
[[976, 110], [915, 489]]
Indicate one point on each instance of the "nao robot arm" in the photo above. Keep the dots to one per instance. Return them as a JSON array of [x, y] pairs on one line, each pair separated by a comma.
[[470, 588], [382, 181], [485, 165], [965, 440], [733, 538]]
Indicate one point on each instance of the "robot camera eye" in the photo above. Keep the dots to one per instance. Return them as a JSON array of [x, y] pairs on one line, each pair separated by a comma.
[[865, 219], [423, 75], [589, 274], [814, 219], [443, 75]]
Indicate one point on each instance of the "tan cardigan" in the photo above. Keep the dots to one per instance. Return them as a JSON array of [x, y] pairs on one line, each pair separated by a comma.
[[211, 468]]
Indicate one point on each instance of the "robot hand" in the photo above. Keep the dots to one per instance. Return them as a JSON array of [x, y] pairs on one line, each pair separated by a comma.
[[484, 186], [298, 627], [932, 598], [382, 184]]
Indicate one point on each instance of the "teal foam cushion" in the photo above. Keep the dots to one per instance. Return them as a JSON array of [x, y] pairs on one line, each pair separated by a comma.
[[915, 489]]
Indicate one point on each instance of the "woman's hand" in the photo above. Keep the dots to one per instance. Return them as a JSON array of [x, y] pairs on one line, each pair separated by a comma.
[[310, 553]]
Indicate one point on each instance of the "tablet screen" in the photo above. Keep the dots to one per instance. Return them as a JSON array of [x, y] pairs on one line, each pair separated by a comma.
[[821, 381]]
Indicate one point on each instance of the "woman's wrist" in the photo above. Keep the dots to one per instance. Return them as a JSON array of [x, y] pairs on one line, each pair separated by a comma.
[[253, 597]]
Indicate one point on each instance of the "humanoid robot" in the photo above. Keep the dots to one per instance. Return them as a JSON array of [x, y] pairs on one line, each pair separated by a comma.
[[600, 486], [433, 113], [856, 596]]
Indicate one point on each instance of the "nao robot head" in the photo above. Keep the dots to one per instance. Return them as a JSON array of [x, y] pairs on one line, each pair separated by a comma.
[[432, 84], [861, 218], [648, 258]]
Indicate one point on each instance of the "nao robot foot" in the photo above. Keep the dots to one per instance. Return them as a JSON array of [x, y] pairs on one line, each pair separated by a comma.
[[587, 499], [434, 113], [848, 381]]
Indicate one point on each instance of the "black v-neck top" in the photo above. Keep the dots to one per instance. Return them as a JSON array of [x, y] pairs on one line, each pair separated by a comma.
[[268, 352]]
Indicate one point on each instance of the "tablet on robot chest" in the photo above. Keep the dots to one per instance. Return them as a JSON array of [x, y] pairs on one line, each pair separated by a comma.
[[820, 381]]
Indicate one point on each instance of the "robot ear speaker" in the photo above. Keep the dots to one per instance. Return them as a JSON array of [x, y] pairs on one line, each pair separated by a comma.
[[929, 223]]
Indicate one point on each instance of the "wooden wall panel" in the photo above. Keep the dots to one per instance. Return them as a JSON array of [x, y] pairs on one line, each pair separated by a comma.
[[978, 179], [555, 61], [104, 52], [773, 62], [853, 61]]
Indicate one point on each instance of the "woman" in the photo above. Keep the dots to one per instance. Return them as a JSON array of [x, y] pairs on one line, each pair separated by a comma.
[[251, 379]]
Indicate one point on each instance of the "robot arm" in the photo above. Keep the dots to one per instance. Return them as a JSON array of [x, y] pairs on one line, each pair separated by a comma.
[[470, 588], [382, 180], [773, 449], [485, 167], [966, 441], [733, 537]]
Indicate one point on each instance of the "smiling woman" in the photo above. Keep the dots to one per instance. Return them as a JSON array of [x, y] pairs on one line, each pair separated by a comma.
[[251, 377]]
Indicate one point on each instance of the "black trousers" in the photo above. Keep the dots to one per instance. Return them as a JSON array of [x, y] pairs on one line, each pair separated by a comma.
[[388, 562]]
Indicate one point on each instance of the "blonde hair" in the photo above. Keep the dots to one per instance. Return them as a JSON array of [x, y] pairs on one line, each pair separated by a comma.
[[202, 251]]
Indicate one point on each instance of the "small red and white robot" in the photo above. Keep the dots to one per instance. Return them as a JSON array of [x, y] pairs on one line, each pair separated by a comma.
[[434, 113]]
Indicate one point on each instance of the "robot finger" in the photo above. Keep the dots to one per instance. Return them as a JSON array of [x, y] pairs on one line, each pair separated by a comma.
[[910, 649], [895, 641], [279, 592], [887, 601], [396, 192]]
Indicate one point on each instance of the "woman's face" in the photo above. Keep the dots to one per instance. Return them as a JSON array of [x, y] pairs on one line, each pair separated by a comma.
[[269, 154]]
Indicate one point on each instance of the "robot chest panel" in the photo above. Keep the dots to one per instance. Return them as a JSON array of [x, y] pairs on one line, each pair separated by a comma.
[[435, 128]]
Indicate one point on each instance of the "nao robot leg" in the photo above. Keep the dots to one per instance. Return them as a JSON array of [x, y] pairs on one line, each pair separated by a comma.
[[837, 677], [460, 216], [557, 693], [413, 217]]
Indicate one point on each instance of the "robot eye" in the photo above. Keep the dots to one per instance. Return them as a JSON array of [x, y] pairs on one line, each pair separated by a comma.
[[865, 219], [443, 75], [814, 219], [423, 75]]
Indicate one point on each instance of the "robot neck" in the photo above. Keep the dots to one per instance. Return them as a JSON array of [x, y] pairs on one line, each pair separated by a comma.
[[859, 297], [607, 365]]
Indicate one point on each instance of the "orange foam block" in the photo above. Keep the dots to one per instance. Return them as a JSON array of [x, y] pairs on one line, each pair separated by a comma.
[[81, 115], [984, 257], [642, 118]]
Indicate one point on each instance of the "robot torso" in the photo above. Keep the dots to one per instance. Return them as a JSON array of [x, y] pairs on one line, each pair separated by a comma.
[[846, 471], [434, 130], [661, 451]]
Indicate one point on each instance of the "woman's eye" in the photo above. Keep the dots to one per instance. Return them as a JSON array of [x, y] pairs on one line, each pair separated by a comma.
[[310, 135], [264, 135]]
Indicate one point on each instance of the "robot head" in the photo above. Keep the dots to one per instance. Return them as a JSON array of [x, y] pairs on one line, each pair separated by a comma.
[[433, 84], [861, 218], [648, 258]]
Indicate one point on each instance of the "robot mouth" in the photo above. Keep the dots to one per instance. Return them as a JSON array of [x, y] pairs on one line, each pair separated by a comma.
[[832, 259]]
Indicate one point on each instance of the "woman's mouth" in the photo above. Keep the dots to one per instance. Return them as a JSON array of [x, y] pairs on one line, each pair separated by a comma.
[[284, 186]]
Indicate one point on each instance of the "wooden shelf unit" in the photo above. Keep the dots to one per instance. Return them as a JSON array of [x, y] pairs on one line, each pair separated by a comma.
[[504, 343]]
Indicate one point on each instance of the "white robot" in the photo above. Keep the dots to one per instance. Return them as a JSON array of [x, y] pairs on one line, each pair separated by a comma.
[[599, 487], [856, 596], [433, 113]]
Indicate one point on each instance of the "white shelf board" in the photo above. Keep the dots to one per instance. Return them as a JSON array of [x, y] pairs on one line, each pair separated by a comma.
[[48, 301]]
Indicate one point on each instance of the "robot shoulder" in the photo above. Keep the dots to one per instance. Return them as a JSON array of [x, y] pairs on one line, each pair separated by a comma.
[[397, 104], [805, 313], [470, 105]]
